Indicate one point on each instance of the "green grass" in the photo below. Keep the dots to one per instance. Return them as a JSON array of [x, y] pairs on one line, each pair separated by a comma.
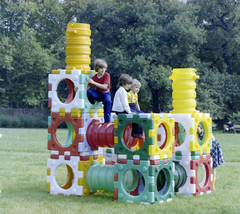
[[23, 168]]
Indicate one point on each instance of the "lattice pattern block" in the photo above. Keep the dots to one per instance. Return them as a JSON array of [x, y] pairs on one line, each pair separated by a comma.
[[203, 146], [73, 101], [191, 167], [120, 125], [187, 187], [71, 144], [164, 180], [188, 143], [164, 150], [155, 183], [71, 186], [205, 186]]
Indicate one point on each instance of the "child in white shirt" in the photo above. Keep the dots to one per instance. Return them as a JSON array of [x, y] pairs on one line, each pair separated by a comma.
[[120, 101]]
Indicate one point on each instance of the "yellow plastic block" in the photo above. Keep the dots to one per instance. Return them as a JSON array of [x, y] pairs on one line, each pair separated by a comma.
[[91, 112], [115, 139], [169, 124], [206, 121], [86, 72], [100, 112], [61, 112], [83, 166], [69, 71], [78, 47], [115, 123], [75, 112], [56, 71], [48, 171], [48, 186], [184, 94]]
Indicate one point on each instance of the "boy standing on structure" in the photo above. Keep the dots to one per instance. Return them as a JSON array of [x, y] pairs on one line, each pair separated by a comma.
[[102, 93]]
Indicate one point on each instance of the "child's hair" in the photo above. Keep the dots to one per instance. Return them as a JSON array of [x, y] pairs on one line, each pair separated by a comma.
[[136, 83], [99, 63], [124, 79]]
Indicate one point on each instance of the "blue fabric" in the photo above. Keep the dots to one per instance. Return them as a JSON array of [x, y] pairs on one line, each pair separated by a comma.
[[136, 129], [105, 98], [216, 154]]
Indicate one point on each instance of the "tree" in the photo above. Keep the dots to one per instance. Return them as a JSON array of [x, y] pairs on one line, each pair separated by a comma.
[[145, 39], [220, 18]]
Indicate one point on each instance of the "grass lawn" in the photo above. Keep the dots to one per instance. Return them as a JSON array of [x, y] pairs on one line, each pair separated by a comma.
[[23, 173]]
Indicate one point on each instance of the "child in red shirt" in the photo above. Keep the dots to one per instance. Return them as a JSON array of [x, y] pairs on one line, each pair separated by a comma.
[[102, 93]]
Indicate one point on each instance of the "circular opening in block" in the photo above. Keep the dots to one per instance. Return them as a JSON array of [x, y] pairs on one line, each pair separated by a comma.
[[64, 176], [162, 136], [162, 182], [65, 134], [200, 133], [133, 136], [201, 175], [180, 134], [65, 91], [141, 185], [130, 180]]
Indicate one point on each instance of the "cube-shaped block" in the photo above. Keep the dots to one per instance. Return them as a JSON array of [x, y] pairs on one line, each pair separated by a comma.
[[70, 187]]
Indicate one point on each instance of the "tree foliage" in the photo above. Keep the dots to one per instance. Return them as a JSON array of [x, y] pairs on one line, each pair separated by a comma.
[[144, 38]]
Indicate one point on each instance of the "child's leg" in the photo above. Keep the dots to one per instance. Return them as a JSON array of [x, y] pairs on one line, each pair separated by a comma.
[[105, 98], [137, 130], [214, 177], [92, 96], [107, 107]]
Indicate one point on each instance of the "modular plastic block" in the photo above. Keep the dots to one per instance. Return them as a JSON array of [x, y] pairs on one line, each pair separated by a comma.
[[156, 182], [73, 138], [164, 180], [188, 143], [205, 186], [121, 123], [164, 150], [71, 186], [73, 101]]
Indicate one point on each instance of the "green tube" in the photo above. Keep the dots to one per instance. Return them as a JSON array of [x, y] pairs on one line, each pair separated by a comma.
[[180, 176], [100, 177]]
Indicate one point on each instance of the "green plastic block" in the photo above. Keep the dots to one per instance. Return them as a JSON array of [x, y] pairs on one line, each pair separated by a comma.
[[163, 180], [146, 123], [49, 120], [128, 181]]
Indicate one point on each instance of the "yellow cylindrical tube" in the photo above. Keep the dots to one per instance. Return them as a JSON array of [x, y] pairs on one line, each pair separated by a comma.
[[184, 94], [78, 47]]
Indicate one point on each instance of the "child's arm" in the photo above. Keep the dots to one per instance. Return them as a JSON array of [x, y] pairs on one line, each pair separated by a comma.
[[99, 85], [137, 105]]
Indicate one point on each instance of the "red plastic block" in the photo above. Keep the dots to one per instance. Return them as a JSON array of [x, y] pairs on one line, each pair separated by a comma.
[[49, 102], [154, 162], [116, 194], [53, 144], [136, 162], [124, 161], [115, 177], [194, 165]]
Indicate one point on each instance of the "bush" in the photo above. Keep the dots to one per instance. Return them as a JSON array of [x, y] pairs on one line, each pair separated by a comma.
[[24, 121], [235, 118]]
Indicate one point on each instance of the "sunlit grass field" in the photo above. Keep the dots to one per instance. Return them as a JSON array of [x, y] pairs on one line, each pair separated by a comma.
[[23, 173]]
